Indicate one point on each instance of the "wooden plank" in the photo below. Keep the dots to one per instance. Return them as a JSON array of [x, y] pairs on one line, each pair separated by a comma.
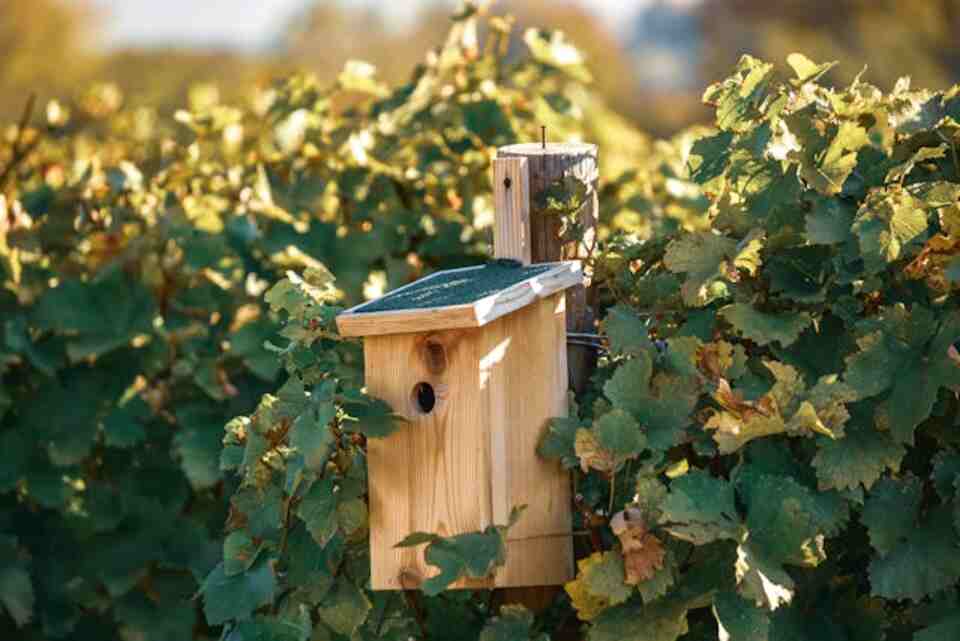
[[355, 322], [431, 475], [511, 199], [546, 164], [466, 464], [406, 321], [539, 547]]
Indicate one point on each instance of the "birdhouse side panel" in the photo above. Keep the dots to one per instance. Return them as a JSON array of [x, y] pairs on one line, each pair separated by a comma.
[[432, 473], [524, 371]]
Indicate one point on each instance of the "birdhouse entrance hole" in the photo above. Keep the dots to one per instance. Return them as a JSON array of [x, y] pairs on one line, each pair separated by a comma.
[[424, 398]]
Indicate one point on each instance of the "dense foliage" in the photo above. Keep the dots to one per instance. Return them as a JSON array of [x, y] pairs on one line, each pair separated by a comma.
[[134, 255], [768, 451]]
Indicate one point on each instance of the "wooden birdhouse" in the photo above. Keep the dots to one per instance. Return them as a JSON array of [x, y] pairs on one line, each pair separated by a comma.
[[476, 360]]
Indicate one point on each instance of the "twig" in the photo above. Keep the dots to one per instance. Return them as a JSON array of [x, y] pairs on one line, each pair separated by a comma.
[[20, 151]]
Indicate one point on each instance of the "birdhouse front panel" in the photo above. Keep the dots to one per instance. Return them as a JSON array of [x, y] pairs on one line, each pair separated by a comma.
[[476, 402], [477, 388]]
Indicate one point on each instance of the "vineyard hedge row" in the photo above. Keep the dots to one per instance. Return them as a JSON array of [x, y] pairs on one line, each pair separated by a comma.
[[769, 449]]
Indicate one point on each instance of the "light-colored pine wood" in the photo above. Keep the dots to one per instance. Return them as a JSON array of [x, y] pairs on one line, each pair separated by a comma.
[[528, 387], [356, 322], [432, 474], [465, 465], [546, 164], [511, 199]]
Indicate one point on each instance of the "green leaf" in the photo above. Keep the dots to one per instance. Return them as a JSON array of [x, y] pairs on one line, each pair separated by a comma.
[[99, 317], [946, 630], [552, 48], [662, 404], [887, 224], [744, 98], [739, 618], [626, 331], [514, 623], [605, 579], [807, 70], [619, 433], [764, 328], [859, 458], [345, 608], [235, 597], [700, 509], [318, 510], [890, 512], [907, 353], [16, 594], [710, 261], [312, 437], [371, 417], [473, 554], [924, 564], [124, 426], [559, 439], [830, 222], [634, 622], [239, 552]]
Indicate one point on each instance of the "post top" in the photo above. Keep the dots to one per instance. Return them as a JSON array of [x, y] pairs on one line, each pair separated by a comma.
[[551, 149]]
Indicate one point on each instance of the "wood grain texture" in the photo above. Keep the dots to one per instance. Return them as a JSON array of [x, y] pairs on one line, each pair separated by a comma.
[[355, 322], [546, 165], [527, 375], [511, 199], [466, 464], [431, 475]]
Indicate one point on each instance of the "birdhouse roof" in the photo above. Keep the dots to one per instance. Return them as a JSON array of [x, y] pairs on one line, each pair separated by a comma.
[[459, 298]]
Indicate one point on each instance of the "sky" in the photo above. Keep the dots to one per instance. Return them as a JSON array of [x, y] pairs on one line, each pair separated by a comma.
[[252, 24]]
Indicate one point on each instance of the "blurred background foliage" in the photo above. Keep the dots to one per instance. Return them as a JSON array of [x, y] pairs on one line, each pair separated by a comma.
[[649, 67]]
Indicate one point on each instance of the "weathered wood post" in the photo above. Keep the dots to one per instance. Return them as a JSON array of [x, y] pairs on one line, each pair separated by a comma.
[[546, 164], [524, 231]]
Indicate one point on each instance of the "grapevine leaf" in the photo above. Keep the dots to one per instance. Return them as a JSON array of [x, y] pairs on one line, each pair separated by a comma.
[[924, 564], [830, 222], [886, 225], [643, 552], [345, 608], [16, 594], [228, 597], [514, 623], [626, 331], [311, 436], [763, 328], [947, 629], [559, 441], [762, 580], [908, 354], [738, 618], [710, 261], [661, 404], [859, 458], [890, 512], [632, 621], [605, 578], [617, 432], [318, 510], [806, 69], [371, 417], [700, 508]]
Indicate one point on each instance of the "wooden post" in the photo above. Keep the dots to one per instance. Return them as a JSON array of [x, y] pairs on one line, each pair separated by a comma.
[[546, 163], [511, 202], [522, 230]]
